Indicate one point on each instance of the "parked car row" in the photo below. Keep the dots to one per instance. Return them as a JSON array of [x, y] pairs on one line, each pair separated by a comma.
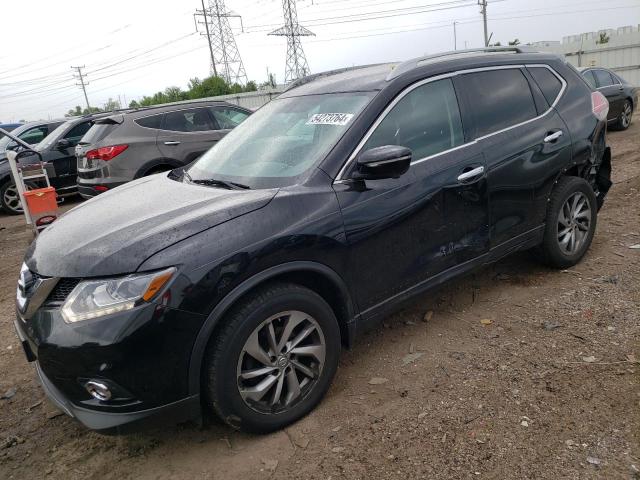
[[233, 284], [622, 96], [94, 153]]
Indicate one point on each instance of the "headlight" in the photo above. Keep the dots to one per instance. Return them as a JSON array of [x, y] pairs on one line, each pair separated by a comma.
[[95, 298]]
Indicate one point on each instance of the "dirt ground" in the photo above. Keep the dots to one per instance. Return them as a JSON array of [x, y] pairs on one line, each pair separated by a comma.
[[514, 372]]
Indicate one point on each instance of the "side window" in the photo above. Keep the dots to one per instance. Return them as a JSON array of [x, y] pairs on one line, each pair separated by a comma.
[[153, 121], [34, 135], [193, 120], [228, 118], [547, 81], [76, 133], [500, 99], [426, 120], [591, 80], [603, 77]]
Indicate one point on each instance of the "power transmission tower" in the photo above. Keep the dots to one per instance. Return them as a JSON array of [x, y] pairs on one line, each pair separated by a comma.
[[82, 83], [297, 66], [483, 11], [225, 56]]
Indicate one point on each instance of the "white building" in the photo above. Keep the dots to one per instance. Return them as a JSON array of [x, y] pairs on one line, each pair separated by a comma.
[[620, 53]]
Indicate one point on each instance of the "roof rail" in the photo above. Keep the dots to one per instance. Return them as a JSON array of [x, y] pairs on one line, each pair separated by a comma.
[[415, 62]]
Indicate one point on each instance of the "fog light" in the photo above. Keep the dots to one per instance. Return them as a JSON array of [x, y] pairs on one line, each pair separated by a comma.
[[98, 390]]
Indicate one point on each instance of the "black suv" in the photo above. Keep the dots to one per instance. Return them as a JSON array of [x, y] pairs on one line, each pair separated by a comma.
[[125, 146], [234, 283]]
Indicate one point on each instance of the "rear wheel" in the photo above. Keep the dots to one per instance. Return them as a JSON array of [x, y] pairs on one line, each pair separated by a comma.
[[274, 358], [624, 120], [570, 223]]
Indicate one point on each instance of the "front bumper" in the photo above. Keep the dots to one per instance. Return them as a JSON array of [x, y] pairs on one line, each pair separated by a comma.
[[142, 354], [113, 423]]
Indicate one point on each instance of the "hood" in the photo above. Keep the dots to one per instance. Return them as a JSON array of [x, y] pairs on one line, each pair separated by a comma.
[[116, 231]]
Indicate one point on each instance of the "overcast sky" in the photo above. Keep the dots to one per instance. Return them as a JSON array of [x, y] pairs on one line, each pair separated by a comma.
[[132, 48]]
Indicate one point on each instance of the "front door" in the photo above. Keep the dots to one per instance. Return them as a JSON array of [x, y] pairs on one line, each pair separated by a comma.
[[186, 134], [402, 232], [61, 161]]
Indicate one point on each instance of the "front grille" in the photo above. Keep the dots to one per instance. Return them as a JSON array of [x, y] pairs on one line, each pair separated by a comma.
[[62, 290]]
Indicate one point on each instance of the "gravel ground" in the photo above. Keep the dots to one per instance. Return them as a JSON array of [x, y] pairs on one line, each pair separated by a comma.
[[516, 371]]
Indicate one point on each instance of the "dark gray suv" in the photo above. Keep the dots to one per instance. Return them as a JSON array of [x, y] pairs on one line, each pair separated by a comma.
[[134, 144]]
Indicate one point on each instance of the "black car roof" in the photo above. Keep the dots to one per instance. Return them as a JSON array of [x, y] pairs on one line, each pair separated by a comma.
[[377, 77]]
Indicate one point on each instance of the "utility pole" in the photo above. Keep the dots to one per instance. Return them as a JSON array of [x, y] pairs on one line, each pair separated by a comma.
[[225, 56], [296, 66], [455, 37], [82, 83], [483, 11]]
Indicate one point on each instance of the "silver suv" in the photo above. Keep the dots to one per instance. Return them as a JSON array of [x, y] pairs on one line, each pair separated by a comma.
[[130, 145]]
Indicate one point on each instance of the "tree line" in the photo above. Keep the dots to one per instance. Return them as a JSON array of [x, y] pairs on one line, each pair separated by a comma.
[[209, 87]]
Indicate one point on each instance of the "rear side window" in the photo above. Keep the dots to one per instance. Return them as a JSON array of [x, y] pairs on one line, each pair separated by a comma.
[[547, 81], [603, 77], [590, 79], [97, 132], [499, 99], [228, 117], [426, 120], [192, 120], [154, 121]]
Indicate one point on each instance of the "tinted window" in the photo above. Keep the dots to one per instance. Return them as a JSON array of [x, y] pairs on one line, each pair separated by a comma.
[[499, 99], [548, 83], [34, 135], [427, 120], [153, 121], [603, 77], [76, 133], [228, 117], [591, 80], [193, 120]]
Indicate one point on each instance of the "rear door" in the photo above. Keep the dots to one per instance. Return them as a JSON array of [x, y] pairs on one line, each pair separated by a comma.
[[404, 231], [612, 89], [525, 143], [186, 134]]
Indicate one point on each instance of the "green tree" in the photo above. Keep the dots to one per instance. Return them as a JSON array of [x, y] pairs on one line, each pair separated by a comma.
[[236, 88], [602, 38], [111, 105], [134, 104], [209, 87], [250, 86], [515, 42], [74, 112], [175, 94]]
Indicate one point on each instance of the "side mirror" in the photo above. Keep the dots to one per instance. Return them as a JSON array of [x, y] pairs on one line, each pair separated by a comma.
[[388, 161], [63, 144]]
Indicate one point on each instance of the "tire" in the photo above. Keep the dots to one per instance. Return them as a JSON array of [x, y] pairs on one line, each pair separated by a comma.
[[157, 169], [572, 197], [9, 198], [230, 387], [624, 119]]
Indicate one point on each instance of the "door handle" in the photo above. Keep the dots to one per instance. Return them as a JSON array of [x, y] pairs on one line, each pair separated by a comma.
[[553, 137], [172, 142], [471, 174]]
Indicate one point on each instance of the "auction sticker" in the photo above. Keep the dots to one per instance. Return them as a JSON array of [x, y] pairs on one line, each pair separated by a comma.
[[329, 118]]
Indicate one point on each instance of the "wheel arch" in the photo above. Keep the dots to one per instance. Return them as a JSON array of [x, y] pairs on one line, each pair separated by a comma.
[[156, 162], [316, 276]]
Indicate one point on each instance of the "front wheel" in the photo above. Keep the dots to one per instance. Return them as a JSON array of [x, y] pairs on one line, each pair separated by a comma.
[[10, 198], [273, 359], [570, 223]]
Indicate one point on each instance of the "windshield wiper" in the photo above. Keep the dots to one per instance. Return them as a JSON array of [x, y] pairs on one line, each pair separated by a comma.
[[218, 183]]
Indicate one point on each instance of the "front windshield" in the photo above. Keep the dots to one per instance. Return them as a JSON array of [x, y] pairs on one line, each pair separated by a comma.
[[281, 140]]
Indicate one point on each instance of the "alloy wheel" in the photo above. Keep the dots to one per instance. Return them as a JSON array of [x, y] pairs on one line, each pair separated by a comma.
[[281, 362], [11, 198], [574, 221], [625, 116]]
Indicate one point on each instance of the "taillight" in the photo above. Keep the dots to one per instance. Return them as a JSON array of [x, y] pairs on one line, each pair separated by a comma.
[[599, 105], [106, 153]]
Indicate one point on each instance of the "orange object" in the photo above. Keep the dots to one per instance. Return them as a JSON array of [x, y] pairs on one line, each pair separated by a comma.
[[41, 200]]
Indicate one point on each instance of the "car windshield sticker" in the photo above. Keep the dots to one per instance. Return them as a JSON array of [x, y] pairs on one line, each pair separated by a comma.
[[330, 118]]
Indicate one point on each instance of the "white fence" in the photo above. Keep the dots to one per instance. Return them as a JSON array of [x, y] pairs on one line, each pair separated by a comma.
[[250, 100], [621, 53]]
